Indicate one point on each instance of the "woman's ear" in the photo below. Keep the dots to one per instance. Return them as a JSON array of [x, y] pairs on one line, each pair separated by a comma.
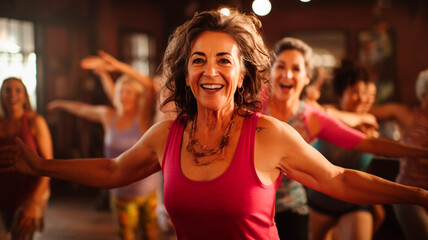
[[307, 80], [241, 80]]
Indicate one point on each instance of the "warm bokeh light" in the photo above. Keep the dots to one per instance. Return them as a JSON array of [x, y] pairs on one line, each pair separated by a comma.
[[305, 1], [261, 7], [225, 11]]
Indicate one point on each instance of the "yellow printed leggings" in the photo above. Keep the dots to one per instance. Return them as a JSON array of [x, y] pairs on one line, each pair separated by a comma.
[[136, 218]]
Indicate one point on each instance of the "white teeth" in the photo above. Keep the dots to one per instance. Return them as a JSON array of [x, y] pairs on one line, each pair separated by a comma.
[[285, 85], [212, 86]]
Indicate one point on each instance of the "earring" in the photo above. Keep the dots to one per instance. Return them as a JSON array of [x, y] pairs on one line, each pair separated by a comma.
[[241, 95], [188, 94]]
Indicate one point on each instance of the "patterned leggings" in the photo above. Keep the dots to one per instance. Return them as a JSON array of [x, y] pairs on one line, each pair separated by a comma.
[[136, 218]]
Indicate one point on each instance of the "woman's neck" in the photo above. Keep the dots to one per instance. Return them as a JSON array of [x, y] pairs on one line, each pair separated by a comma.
[[209, 120], [126, 112], [16, 114], [283, 109]]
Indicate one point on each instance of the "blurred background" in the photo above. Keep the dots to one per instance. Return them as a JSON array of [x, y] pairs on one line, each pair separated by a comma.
[[43, 41]]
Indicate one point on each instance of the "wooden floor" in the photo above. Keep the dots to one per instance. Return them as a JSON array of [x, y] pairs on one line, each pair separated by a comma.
[[72, 215]]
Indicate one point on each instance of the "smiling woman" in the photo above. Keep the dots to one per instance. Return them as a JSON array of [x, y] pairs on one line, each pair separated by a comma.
[[231, 195], [23, 197], [290, 73]]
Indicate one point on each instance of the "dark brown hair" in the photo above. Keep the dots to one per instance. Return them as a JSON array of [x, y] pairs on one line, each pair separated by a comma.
[[348, 74], [255, 57]]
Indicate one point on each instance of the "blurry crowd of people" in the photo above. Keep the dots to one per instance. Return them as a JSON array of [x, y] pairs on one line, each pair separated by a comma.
[[245, 148]]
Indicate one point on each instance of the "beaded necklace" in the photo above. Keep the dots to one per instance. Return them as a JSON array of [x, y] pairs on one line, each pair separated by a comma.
[[205, 151]]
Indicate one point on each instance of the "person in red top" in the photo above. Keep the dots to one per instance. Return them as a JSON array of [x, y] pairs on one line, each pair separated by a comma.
[[23, 197], [221, 160]]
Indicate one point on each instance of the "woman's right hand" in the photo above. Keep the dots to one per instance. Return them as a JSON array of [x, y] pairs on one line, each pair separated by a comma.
[[19, 158], [53, 105]]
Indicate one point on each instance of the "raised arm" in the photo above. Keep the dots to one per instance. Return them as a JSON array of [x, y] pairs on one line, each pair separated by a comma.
[[80, 109], [305, 164], [138, 162], [106, 82], [124, 68]]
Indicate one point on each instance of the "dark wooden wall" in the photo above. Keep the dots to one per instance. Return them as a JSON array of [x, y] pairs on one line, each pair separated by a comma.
[[68, 30]]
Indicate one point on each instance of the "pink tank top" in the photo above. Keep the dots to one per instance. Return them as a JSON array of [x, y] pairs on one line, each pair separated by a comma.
[[15, 188], [236, 205]]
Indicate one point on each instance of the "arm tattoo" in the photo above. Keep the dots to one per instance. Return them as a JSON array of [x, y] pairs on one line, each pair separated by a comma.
[[258, 129]]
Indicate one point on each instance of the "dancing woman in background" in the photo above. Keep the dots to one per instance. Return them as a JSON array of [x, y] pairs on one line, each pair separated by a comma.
[[134, 205], [291, 72]]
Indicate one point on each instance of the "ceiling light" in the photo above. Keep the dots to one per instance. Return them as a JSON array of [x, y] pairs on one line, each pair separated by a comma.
[[261, 7]]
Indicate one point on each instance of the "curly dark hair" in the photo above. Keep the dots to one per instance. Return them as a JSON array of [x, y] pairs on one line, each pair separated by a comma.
[[347, 75], [246, 30]]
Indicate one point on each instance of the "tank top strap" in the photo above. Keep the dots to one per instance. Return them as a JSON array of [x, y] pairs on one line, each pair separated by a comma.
[[243, 161], [173, 144], [248, 133]]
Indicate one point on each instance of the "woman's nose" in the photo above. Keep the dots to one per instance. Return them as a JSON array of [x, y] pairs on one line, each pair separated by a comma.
[[210, 69], [362, 97], [287, 74]]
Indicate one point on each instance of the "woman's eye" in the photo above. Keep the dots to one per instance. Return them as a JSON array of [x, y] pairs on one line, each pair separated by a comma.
[[280, 66], [297, 69], [197, 60], [224, 60]]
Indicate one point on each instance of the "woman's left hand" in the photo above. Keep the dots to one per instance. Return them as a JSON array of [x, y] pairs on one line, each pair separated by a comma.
[[27, 220]]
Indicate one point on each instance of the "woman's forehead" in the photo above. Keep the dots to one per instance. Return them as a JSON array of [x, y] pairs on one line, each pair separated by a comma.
[[214, 42], [13, 83]]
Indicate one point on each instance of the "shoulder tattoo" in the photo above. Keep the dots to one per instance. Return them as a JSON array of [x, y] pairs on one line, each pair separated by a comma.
[[259, 129]]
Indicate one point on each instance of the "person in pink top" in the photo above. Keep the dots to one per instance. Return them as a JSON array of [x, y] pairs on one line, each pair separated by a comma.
[[221, 160], [23, 198], [291, 73]]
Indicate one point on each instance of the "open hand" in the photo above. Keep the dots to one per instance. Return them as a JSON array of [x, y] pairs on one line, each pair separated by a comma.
[[19, 158]]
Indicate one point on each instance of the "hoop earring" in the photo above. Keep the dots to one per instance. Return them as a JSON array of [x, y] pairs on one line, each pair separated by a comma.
[[241, 95], [188, 94]]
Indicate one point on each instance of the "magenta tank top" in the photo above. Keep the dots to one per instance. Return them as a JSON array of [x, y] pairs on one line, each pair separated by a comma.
[[236, 205]]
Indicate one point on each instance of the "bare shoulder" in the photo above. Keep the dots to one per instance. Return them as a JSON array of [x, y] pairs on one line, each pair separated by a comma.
[[36, 119], [274, 141], [272, 132], [162, 126], [158, 132], [271, 127]]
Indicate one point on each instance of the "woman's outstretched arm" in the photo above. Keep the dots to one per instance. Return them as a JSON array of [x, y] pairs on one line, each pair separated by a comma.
[[286, 150], [138, 162]]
